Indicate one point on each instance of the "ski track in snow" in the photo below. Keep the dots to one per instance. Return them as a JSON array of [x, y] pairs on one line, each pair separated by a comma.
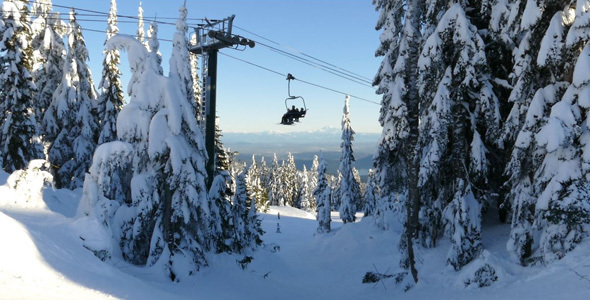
[[42, 257]]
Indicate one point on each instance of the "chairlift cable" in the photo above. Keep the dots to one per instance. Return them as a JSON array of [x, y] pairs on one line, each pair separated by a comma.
[[253, 64], [304, 54], [303, 81], [315, 65], [283, 52]]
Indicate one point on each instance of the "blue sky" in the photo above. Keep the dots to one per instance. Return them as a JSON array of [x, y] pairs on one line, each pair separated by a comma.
[[251, 99]]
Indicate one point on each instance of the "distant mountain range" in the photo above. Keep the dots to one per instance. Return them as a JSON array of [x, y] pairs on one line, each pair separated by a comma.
[[303, 146]]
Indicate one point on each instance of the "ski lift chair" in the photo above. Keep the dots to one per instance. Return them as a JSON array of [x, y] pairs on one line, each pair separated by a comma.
[[293, 114]]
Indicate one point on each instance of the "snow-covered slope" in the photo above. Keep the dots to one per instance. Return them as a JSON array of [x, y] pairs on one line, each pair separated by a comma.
[[42, 257]]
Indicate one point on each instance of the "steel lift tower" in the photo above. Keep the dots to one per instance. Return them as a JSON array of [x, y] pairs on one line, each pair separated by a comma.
[[211, 37]]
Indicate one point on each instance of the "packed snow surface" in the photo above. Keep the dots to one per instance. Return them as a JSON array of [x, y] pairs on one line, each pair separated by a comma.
[[42, 256]]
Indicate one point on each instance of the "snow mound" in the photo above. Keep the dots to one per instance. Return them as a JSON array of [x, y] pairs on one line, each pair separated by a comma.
[[25, 273], [94, 236], [481, 272], [24, 188], [13, 258]]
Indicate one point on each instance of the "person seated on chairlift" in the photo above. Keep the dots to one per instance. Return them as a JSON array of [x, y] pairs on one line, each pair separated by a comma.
[[289, 115], [293, 114], [297, 113]]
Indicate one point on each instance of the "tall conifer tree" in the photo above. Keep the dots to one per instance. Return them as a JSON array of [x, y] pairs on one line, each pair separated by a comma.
[[194, 59], [111, 98], [19, 133], [370, 196], [70, 118], [543, 69], [274, 183], [349, 186], [459, 124], [322, 194], [222, 155], [396, 161], [50, 53], [140, 25], [153, 46], [289, 181], [180, 67], [554, 138]]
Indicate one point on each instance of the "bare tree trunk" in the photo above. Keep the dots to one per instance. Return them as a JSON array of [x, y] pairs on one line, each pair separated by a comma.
[[413, 161]]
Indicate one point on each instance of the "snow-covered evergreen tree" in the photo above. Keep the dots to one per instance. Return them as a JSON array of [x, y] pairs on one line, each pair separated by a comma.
[[111, 99], [396, 163], [221, 221], [322, 195], [335, 187], [195, 74], [167, 221], [459, 123], [543, 71], [153, 46], [562, 208], [349, 186], [439, 112], [107, 184], [358, 190], [302, 201], [519, 126], [140, 25], [254, 186], [264, 177], [288, 179], [532, 19], [247, 231], [236, 166], [263, 173], [254, 230], [396, 38], [526, 159], [180, 67], [70, 118], [370, 195], [312, 181], [463, 226], [49, 53], [222, 155], [19, 133], [274, 183]]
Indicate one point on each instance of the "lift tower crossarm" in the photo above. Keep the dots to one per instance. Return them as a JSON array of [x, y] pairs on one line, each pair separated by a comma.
[[212, 37]]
